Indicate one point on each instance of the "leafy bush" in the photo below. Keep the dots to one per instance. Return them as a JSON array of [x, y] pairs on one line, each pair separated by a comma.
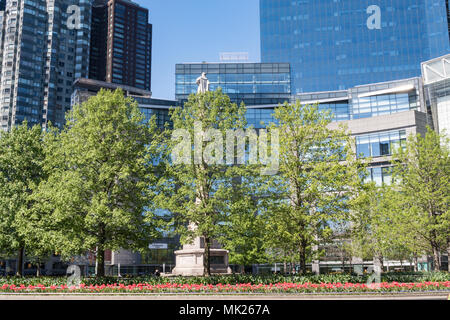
[[244, 288], [235, 279], [27, 281], [268, 279]]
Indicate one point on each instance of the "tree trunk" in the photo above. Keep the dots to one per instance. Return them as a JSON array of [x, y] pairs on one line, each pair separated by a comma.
[[437, 265], [448, 257], [378, 263], [100, 263], [38, 269], [416, 263], [302, 259], [19, 272], [207, 258]]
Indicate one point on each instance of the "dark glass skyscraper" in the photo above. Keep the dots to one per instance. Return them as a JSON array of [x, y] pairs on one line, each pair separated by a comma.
[[338, 44], [121, 44], [99, 40]]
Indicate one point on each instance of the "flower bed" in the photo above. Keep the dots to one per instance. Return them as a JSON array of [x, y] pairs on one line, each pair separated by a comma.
[[236, 288], [419, 277]]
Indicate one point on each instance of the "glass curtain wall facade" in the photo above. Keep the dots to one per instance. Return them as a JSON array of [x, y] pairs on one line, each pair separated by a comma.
[[40, 58], [380, 175], [260, 118], [156, 107], [356, 103], [380, 117], [67, 57], [436, 77], [380, 144], [99, 36], [86, 88], [335, 45], [251, 83], [366, 107]]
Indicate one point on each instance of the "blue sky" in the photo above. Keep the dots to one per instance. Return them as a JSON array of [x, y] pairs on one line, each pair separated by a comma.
[[196, 31]]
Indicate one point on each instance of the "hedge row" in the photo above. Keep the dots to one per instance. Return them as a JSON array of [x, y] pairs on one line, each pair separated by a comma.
[[236, 288], [235, 279]]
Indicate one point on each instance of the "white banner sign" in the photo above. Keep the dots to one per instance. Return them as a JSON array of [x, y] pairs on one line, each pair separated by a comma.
[[158, 246]]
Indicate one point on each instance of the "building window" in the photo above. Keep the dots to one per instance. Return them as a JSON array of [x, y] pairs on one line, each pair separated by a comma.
[[380, 144]]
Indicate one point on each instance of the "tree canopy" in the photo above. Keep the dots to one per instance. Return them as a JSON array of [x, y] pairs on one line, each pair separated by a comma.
[[100, 168], [21, 172], [318, 173]]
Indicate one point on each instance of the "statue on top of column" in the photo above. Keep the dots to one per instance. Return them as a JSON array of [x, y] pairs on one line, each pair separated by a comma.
[[203, 83]]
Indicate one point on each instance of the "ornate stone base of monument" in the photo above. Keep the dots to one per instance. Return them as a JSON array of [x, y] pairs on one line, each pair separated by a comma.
[[189, 261]]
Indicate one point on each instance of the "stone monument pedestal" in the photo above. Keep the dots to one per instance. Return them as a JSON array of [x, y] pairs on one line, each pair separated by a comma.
[[189, 261]]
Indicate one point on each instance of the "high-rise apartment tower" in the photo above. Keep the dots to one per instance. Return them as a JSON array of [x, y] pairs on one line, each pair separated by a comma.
[[121, 45], [41, 53]]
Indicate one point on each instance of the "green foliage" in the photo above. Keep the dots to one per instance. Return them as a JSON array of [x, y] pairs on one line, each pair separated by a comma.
[[201, 191], [236, 279], [97, 184], [318, 172], [243, 235], [422, 175], [409, 218], [21, 162], [204, 196], [371, 221], [100, 167], [243, 231]]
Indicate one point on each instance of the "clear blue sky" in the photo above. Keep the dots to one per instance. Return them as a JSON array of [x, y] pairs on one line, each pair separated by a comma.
[[196, 31]]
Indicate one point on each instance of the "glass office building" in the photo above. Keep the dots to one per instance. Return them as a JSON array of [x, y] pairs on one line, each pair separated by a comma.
[[379, 116], [360, 102], [86, 88], [380, 144], [336, 45], [436, 79], [261, 116], [251, 83], [156, 107]]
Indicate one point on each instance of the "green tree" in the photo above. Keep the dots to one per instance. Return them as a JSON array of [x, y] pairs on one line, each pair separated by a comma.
[[318, 172], [422, 174], [404, 228], [244, 227], [278, 239], [199, 190], [21, 161], [372, 225], [101, 167]]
